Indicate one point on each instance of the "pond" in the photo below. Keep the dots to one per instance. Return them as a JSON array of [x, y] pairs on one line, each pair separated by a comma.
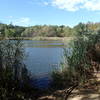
[[43, 57]]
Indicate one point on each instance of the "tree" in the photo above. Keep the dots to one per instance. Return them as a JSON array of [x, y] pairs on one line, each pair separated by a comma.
[[81, 29]]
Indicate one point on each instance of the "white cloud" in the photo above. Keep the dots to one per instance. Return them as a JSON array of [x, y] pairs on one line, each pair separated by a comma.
[[74, 5], [39, 2], [46, 3], [22, 21], [10, 17], [92, 5]]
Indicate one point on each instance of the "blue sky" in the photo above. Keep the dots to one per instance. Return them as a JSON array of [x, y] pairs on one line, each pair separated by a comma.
[[50, 12]]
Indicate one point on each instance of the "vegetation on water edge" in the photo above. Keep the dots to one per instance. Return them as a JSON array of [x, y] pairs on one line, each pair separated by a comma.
[[81, 60], [39, 38], [47, 30], [14, 76]]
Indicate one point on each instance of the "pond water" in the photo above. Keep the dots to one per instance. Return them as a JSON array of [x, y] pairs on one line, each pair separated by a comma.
[[43, 57]]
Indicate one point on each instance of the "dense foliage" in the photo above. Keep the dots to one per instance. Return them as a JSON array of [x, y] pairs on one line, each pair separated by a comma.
[[80, 61], [47, 30], [10, 30], [14, 76]]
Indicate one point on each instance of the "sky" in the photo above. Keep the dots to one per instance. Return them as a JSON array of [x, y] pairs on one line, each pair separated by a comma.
[[49, 12]]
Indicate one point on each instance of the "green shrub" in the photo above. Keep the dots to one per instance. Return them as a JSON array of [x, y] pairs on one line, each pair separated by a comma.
[[14, 77], [77, 67]]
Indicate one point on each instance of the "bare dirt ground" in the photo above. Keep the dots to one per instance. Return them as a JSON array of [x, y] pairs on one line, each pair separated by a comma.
[[88, 92]]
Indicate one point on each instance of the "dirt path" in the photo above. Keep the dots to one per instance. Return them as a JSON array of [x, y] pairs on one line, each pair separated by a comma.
[[91, 92], [88, 92]]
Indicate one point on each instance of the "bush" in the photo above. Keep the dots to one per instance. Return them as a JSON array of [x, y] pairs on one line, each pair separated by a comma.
[[14, 77], [77, 66]]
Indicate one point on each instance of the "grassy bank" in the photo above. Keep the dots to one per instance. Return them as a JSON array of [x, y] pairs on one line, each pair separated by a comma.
[[39, 38]]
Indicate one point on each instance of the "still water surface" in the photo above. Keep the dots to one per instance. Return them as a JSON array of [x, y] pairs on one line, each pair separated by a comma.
[[43, 56]]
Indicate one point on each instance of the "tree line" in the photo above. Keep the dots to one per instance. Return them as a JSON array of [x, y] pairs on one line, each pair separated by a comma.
[[48, 30]]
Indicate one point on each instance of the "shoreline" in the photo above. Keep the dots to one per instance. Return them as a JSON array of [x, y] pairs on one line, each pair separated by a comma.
[[38, 38]]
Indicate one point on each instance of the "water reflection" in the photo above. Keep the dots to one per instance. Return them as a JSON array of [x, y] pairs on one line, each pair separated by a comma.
[[43, 56]]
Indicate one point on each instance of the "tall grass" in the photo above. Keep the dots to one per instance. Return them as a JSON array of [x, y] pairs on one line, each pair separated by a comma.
[[14, 76], [77, 67]]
